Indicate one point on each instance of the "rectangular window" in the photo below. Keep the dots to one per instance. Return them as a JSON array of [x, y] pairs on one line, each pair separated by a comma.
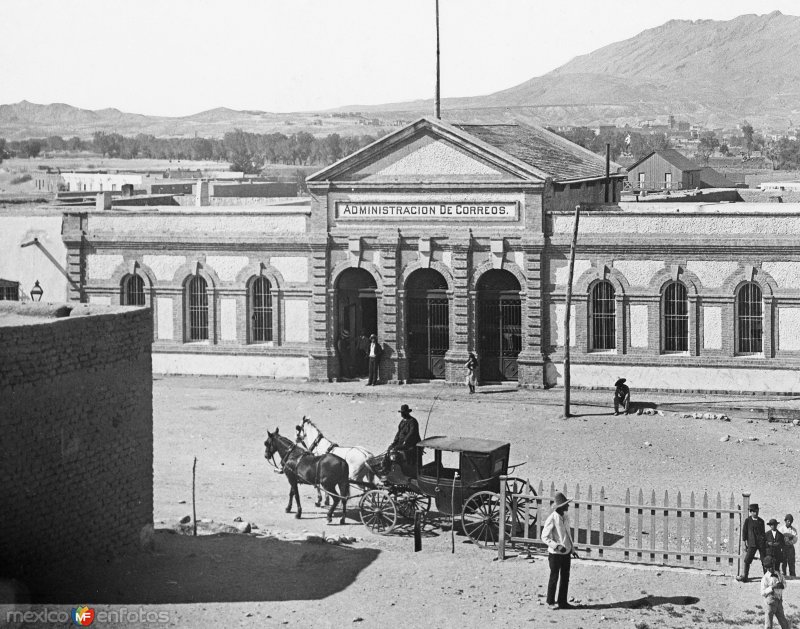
[[9, 291], [667, 180]]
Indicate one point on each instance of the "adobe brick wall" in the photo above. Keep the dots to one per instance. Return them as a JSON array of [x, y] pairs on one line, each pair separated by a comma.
[[76, 421]]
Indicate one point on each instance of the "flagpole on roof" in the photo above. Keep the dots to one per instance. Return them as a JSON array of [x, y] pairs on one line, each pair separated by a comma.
[[437, 105]]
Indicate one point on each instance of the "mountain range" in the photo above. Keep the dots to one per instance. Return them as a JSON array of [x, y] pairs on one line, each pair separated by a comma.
[[715, 73]]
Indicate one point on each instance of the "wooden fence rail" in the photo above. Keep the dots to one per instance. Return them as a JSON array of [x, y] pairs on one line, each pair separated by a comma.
[[675, 532]]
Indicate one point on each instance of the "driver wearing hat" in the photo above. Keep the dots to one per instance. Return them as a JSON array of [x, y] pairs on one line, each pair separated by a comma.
[[407, 437]]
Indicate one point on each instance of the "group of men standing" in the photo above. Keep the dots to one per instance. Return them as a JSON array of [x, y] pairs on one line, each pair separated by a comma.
[[778, 542], [776, 550]]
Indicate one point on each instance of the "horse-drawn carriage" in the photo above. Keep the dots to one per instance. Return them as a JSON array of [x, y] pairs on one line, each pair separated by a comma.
[[462, 475]]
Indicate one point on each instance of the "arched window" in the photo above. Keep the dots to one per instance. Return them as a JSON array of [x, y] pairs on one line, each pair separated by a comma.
[[197, 309], [602, 317], [261, 312], [749, 319], [132, 293], [675, 312]]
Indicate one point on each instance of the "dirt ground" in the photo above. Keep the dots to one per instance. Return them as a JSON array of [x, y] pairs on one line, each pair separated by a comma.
[[277, 577]]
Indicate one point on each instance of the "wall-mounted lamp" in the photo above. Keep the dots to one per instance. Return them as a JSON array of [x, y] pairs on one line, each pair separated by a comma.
[[37, 292]]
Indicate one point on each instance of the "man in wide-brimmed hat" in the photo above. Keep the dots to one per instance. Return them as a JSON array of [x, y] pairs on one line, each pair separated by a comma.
[[405, 441], [622, 396], [560, 551], [774, 543]]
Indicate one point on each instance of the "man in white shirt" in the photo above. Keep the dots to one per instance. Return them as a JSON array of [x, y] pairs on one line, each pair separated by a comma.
[[789, 540], [772, 586], [560, 551]]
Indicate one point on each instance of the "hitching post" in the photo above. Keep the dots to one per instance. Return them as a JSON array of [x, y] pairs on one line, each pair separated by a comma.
[[194, 510], [567, 310]]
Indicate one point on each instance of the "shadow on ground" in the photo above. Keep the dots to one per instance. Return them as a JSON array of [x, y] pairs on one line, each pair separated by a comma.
[[211, 568], [646, 602]]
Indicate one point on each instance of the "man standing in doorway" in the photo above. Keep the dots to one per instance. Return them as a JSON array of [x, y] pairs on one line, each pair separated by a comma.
[[560, 551], [375, 352]]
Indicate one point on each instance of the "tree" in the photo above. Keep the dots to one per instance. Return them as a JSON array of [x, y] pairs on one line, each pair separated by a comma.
[[708, 144], [724, 150], [32, 147], [747, 132], [243, 152], [3, 152]]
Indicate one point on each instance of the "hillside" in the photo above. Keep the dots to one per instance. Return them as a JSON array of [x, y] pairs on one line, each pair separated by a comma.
[[712, 72]]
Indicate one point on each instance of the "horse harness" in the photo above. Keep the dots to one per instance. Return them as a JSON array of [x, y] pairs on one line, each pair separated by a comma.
[[286, 463]]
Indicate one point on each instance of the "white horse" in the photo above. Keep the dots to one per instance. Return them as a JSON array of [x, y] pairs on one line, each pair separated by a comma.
[[311, 437]]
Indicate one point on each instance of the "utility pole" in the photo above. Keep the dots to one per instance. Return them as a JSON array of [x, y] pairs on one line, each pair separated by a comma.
[[437, 104], [567, 311]]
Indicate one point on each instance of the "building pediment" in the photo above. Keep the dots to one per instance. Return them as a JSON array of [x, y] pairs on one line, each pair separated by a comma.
[[428, 151]]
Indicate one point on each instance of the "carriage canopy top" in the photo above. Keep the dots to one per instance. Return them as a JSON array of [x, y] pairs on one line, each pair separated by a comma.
[[463, 444]]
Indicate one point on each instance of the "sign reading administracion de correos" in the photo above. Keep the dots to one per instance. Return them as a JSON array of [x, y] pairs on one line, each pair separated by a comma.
[[484, 210]]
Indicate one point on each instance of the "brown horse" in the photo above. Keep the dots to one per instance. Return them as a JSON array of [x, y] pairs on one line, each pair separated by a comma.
[[300, 466]]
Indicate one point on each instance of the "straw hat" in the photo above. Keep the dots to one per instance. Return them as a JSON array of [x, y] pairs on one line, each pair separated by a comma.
[[561, 500]]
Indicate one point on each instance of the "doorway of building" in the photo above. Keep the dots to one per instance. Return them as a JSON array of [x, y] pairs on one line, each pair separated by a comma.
[[357, 318], [428, 324], [499, 325]]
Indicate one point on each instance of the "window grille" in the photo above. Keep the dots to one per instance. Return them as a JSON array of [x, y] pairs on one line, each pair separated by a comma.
[[676, 318], [262, 313], [603, 314], [9, 291], [198, 309], [133, 291], [749, 319]]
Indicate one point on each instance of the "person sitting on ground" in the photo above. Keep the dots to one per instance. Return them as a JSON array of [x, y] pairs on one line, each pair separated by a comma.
[[404, 445], [622, 396]]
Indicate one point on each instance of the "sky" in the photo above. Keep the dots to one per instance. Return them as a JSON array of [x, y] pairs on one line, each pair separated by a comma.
[[180, 57]]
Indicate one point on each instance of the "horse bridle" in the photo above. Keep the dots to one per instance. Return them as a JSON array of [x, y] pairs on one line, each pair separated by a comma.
[[282, 466], [319, 438]]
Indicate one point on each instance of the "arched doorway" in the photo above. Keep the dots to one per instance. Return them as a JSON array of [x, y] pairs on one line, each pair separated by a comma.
[[499, 325], [356, 318], [428, 324]]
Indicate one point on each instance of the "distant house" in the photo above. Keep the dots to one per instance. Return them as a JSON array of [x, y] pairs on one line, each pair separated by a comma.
[[663, 170]]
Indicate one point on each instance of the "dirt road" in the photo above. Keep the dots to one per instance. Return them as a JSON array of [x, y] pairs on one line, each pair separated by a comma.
[[375, 581]]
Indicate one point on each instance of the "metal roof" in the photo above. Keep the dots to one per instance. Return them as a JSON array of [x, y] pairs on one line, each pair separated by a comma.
[[678, 160], [558, 157], [463, 444]]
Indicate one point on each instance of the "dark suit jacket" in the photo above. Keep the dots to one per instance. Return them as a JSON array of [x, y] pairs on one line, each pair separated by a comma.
[[407, 434], [753, 533], [774, 544]]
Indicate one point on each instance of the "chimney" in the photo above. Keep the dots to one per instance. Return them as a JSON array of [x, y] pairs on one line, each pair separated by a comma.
[[103, 201], [201, 193]]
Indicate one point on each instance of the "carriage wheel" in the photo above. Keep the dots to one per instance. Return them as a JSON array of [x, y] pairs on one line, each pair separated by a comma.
[[409, 503], [515, 485], [378, 511], [480, 518]]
